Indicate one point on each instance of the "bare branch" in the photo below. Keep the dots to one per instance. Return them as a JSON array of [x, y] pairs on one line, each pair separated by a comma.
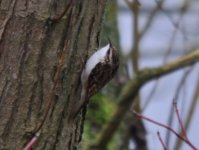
[[162, 142], [32, 141], [168, 128], [190, 112], [180, 120], [171, 114]]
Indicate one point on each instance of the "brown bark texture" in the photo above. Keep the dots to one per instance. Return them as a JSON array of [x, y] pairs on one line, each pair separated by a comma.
[[31, 45]]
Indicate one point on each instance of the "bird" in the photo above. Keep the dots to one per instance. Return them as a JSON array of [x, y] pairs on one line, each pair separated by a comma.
[[99, 69]]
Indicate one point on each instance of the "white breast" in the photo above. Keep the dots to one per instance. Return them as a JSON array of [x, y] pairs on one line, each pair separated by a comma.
[[94, 59]]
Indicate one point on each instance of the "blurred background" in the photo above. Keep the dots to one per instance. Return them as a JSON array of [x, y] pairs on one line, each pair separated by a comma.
[[150, 34]]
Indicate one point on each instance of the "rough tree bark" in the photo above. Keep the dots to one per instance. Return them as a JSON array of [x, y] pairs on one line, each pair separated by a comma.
[[30, 49]]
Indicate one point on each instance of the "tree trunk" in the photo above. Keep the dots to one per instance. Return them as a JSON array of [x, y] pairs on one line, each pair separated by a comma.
[[31, 48]]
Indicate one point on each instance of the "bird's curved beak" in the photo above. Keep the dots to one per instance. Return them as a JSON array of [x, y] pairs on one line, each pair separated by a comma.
[[111, 46]]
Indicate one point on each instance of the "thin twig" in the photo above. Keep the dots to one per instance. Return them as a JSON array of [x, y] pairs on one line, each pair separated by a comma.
[[158, 123], [171, 43], [180, 85], [166, 127], [49, 103], [151, 18], [52, 90], [57, 76], [134, 6], [150, 96], [190, 113], [184, 8], [180, 120], [32, 141], [162, 142]]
